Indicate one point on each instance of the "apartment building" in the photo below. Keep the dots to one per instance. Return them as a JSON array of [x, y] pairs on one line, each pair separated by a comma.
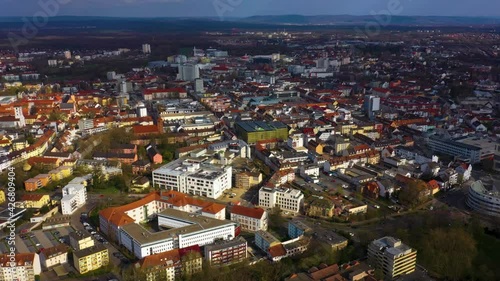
[[193, 177], [287, 199], [170, 265], [226, 252], [80, 240], [90, 259], [392, 256], [26, 267], [74, 196], [250, 219], [247, 180], [53, 256], [34, 201]]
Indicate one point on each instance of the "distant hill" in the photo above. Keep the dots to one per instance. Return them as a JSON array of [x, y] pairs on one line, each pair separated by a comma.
[[360, 20]]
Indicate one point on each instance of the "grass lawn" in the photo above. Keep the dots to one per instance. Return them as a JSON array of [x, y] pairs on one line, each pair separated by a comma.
[[108, 190]]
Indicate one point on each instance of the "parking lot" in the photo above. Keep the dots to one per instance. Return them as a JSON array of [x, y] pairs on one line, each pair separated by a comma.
[[38, 239]]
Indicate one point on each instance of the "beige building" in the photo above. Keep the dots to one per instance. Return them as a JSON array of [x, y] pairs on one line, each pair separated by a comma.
[[392, 256], [25, 269], [90, 259], [80, 240], [248, 180], [250, 219], [54, 256]]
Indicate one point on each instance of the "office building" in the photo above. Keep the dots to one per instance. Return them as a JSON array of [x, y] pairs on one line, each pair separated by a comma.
[[482, 200], [90, 259], [372, 106], [297, 228], [287, 199], [177, 230], [471, 150], [193, 177], [198, 85], [264, 240], [226, 252], [253, 131], [250, 219], [392, 257], [26, 266]]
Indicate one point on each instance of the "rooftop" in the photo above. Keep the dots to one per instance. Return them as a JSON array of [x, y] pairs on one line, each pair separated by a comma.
[[89, 251]]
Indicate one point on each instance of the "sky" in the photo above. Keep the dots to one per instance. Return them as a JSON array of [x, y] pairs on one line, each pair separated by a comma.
[[244, 8]]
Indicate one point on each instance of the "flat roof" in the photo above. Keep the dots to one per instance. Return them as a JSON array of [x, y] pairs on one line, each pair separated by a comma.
[[255, 126], [196, 223], [479, 187], [455, 143]]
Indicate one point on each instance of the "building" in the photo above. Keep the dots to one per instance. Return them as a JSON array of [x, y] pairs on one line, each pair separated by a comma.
[[170, 265], [288, 248], [372, 106], [67, 55], [90, 259], [74, 196], [264, 240], [483, 200], [26, 267], [253, 131], [287, 199], [112, 219], [193, 177], [392, 257], [319, 207], [250, 219], [247, 180], [53, 256], [466, 152], [297, 228], [496, 158], [35, 201], [146, 49], [226, 252], [80, 240], [153, 154], [188, 72]]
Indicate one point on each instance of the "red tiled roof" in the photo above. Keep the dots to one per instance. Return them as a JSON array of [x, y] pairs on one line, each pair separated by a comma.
[[255, 213], [277, 250]]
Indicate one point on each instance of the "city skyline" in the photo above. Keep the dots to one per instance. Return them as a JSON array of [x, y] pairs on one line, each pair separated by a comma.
[[242, 8]]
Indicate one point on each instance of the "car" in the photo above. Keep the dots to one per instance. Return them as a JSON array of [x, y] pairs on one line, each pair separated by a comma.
[[56, 232], [376, 206], [86, 224], [93, 232], [351, 234], [38, 244]]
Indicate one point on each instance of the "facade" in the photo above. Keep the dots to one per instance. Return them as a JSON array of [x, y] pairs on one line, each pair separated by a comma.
[[392, 256], [247, 180], [189, 72], [287, 199], [90, 259], [253, 131], [193, 177], [226, 252], [250, 219], [297, 228], [74, 196], [454, 148], [54, 256], [482, 200], [35, 201], [264, 240], [80, 240], [25, 269], [170, 265]]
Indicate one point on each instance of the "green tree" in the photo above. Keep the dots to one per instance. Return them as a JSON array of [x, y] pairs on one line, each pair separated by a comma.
[[413, 193]]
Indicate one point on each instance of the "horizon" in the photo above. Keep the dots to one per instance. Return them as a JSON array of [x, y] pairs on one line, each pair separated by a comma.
[[245, 8]]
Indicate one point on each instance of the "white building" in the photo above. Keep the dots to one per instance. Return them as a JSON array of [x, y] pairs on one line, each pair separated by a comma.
[[26, 266], [67, 55], [287, 199], [146, 48], [465, 151], [189, 72], [74, 196], [142, 111], [193, 177], [182, 230], [483, 200], [250, 219], [53, 256]]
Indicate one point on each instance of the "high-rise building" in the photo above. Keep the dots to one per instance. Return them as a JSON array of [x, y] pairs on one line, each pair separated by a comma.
[[18, 114], [146, 48], [198, 85], [142, 111], [372, 106], [189, 72], [392, 257], [74, 196]]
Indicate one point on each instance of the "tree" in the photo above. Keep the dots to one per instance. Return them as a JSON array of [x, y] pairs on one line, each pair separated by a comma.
[[450, 252], [413, 194]]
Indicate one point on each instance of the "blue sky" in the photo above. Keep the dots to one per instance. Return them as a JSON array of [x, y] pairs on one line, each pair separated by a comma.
[[242, 8]]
